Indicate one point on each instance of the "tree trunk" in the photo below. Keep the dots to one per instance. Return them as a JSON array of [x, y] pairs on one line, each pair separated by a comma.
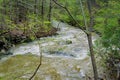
[[50, 11], [42, 10], [89, 36], [35, 7], [16, 20]]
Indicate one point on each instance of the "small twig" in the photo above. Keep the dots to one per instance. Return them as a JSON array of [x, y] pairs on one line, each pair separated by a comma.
[[40, 59], [40, 48], [35, 71]]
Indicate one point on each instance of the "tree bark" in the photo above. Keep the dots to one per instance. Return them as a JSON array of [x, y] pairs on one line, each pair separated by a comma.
[[89, 36], [50, 11], [35, 6], [42, 10]]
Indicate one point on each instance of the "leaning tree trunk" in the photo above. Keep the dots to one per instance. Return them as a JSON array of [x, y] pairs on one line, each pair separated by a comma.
[[89, 36]]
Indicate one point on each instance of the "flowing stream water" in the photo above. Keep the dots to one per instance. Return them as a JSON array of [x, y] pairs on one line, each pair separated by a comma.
[[68, 52], [70, 42]]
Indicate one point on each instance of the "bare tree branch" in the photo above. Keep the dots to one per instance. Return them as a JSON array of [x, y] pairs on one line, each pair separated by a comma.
[[40, 51], [40, 48], [64, 7]]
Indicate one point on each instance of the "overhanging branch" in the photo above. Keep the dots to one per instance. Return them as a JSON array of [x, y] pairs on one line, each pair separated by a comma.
[[64, 7]]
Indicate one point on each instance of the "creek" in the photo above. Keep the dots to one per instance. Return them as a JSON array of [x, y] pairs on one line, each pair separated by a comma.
[[65, 54], [70, 42]]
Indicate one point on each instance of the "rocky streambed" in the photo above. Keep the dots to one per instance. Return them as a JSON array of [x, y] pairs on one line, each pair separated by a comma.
[[65, 57]]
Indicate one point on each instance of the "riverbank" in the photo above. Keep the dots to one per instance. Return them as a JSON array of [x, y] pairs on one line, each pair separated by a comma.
[[15, 36]]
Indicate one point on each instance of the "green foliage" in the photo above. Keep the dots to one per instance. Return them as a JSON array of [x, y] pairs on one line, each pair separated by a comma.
[[20, 15], [108, 24], [10, 24]]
